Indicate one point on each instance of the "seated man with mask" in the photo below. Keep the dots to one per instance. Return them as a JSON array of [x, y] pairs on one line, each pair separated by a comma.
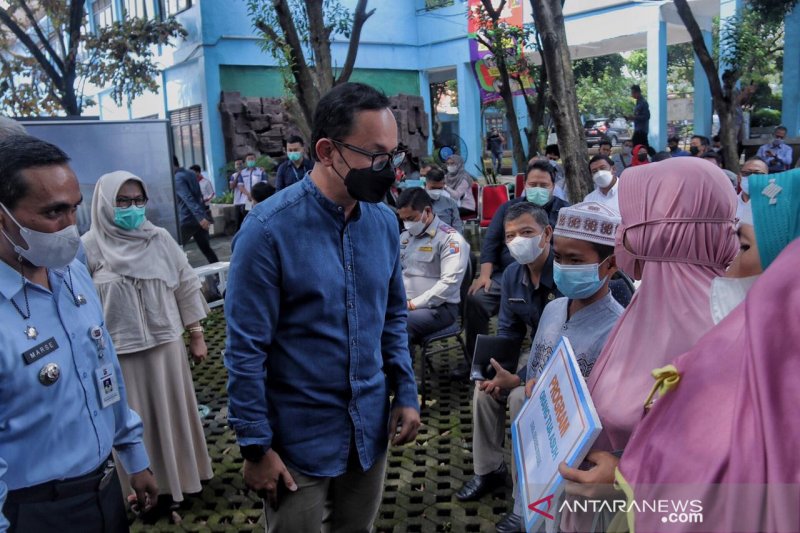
[[526, 288], [583, 263], [434, 258], [483, 301], [443, 205]]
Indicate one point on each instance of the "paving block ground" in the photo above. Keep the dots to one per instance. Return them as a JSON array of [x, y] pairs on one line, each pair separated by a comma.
[[421, 478]]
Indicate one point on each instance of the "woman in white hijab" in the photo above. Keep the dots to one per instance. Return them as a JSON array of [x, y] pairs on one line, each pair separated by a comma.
[[150, 294]]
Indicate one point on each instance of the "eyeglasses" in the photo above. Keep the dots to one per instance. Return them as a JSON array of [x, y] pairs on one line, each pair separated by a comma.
[[780, 136], [379, 159], [746, 173], [125, 202]]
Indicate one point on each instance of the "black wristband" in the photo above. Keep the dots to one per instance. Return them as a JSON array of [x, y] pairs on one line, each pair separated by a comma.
[[253, 452]]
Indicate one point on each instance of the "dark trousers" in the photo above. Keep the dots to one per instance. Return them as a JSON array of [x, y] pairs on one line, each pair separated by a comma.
[[497, 161], [640, 137], [201, 237], [240, 214], [93, 511], [423, 322], [481, 307]]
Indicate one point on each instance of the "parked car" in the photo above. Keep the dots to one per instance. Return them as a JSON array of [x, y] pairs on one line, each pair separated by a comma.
[[616, 131]]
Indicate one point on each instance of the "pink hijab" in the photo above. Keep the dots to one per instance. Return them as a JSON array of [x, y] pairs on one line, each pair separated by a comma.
[[732, 419], [678, 228]]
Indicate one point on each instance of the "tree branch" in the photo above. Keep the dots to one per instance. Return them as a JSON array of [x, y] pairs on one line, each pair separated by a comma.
[[700, 48], [35, 51], [320, 37], [40, 34], [359, 18], [307, 92]]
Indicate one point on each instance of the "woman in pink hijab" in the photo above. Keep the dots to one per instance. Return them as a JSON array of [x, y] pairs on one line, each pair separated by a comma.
[[727, 435], [677, 234]]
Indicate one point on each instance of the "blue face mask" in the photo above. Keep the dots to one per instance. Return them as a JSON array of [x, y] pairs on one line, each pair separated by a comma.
[[578, 282], [537, 195], [129, 218]]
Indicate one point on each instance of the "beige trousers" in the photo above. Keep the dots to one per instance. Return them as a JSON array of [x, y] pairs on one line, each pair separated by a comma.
[[489, 428]]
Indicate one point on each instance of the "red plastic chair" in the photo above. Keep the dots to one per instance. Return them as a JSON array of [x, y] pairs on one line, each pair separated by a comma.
[[519, 187], [492, 197]]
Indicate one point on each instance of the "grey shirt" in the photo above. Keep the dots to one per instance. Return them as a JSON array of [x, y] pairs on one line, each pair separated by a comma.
[[587, 331], [447, 209]]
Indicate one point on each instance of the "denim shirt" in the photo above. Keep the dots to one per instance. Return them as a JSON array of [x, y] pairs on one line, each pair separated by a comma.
[[316, 316]]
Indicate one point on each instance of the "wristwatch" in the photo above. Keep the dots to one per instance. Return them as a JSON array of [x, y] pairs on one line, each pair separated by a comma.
[[253, 452]]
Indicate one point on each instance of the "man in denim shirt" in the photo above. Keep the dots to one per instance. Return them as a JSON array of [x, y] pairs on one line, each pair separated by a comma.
[[316, 314]]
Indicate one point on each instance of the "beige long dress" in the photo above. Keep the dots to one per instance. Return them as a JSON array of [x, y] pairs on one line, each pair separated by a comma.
[[146, 320]]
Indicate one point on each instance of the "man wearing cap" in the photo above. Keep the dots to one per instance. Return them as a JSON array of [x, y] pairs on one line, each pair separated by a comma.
[[583, 252]]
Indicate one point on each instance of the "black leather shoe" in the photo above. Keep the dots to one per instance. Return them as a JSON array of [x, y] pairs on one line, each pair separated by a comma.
[[476, 487], [510, 523]]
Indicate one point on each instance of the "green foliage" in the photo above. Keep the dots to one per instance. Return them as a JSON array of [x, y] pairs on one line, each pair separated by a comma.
[[763, 97], [602, 88], [772, 10], [607, 96], [266, 162], [761, 118], [121, 55], [751, 45], [338, 20], [595, 67], [225, 198]]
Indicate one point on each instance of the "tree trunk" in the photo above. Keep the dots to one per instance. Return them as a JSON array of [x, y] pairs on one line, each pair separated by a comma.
[[549, 21], [536, 107], [511, 115], [722, 94]]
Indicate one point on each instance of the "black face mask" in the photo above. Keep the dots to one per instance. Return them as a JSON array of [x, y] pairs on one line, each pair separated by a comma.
[[694, 150], [367, 185]]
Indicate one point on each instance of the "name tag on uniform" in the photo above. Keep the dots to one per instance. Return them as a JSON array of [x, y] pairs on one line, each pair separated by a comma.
[[40, 350], [107, 385], [425, 248]]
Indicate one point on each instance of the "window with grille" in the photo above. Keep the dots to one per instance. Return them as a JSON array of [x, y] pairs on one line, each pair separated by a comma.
[[172, 7], [136, 9], [103, 13], [187, 135]]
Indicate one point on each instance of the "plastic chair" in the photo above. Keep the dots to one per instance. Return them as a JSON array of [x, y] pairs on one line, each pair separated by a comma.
[[492, 197], [519, 186], [454, 330]]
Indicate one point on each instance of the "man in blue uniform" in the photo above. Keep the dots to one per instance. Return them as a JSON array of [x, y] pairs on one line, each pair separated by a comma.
[[63, 405]]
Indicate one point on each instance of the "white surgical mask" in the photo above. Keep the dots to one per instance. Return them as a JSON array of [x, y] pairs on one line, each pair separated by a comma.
[[602, 178], [452, 169], [525, 250], [417, 227], [49, 250], [745, 185], [727, 294], [435, 194]]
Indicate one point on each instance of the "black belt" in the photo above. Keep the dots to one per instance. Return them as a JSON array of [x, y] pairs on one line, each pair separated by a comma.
[[60, 489]]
